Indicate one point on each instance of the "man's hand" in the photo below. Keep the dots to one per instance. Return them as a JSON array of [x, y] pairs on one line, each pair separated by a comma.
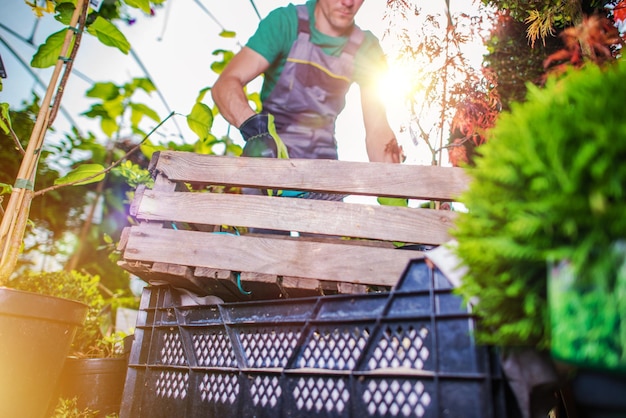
[[261, 138], [394, 152]]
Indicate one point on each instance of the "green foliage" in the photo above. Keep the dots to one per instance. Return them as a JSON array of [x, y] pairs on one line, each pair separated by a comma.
[[48, 53], [549, 185], [393, 201], [144, 5], [5, 188], [134, 174], [98, 24], [200, 120], [589, 321], [228, 34], [83, 174], [218, 66], [54, 211], [58, 213], [202, 116], [5, 120], [116, 100], [68, 408]]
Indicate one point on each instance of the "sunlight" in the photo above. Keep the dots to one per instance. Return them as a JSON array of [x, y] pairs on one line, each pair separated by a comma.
[[395, 87], [398, 88], [401, 86]]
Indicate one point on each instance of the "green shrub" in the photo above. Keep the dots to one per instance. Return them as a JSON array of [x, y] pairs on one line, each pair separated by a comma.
[[550, 184]]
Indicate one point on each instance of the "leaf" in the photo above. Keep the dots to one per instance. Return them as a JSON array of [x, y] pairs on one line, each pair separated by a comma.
[[108, 34], [107, 238], [5, 118], [227, 34], [200, 120], [391, 201], [144, 5], [48, 53], [148, 148], [206, 146], [139, 110], [218, 66], [620, 11], [81, 173], [5, 188], [108, 126], [256, 99], [202, 93], [145, 84], [104, 91], [64, 13]]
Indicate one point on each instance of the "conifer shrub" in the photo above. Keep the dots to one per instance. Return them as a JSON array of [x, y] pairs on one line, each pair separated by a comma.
[[550, 184]]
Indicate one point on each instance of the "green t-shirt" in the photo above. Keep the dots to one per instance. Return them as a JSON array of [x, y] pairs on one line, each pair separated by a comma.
[[279, 30]]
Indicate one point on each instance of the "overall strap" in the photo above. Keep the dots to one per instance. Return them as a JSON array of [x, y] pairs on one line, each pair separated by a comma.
[[303, 19]]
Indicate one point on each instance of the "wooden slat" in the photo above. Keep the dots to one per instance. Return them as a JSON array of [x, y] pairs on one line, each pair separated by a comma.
[[411, 225], [173, 277], [295, 257], [378, 179]]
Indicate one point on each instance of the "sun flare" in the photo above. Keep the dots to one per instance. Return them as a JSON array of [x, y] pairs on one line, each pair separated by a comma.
[[394, 87]]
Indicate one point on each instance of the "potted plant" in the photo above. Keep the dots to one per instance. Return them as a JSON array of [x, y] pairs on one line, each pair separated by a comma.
[[543, 237], [95, 369], [28, 323]]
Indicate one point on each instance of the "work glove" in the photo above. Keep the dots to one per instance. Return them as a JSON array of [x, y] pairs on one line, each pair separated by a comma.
[[394, 152], [261, 138]]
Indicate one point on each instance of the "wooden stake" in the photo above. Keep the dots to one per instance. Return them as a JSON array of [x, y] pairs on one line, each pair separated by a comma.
[[14, 222]]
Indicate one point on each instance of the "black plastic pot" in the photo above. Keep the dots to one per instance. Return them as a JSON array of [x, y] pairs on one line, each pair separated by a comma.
[[36, 332], [599, 394], [97, 383]]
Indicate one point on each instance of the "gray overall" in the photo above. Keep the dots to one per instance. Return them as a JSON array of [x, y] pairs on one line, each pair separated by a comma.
[[310, 93]]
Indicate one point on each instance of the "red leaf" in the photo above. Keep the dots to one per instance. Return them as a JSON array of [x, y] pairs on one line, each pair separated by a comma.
[[619, 12]]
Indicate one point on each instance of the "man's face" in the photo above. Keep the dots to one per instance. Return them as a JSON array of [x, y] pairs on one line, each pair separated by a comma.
[[336, 17]]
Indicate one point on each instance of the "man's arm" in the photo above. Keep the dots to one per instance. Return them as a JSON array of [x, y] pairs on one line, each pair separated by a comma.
[[228, 91], [380, 141]]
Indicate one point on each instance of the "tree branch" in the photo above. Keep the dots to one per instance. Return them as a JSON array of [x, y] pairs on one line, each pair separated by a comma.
[[70, 63], [108, 169]]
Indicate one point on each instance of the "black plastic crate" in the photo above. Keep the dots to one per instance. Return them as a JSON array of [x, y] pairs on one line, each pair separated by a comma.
[[404, 353]]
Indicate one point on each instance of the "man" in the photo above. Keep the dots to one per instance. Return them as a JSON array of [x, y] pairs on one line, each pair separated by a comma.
[[309, 54]]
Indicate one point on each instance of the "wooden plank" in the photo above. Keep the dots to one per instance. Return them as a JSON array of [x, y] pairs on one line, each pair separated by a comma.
[[167, 270], [280, 257], [147, 274], [298, 286], [360, 178], [258, 284], [351, 288], [123, 239], [135, 205], [389, 223]]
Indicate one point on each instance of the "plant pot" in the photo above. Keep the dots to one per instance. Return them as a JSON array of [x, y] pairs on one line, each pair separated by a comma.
[[97, 383], [36, 332], [599, 394]]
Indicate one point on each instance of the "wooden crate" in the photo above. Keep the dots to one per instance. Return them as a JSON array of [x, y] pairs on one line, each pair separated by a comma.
[[343, 247]]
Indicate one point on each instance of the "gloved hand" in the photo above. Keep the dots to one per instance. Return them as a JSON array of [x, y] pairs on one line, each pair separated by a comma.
[[261, 138], [394, 152]]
